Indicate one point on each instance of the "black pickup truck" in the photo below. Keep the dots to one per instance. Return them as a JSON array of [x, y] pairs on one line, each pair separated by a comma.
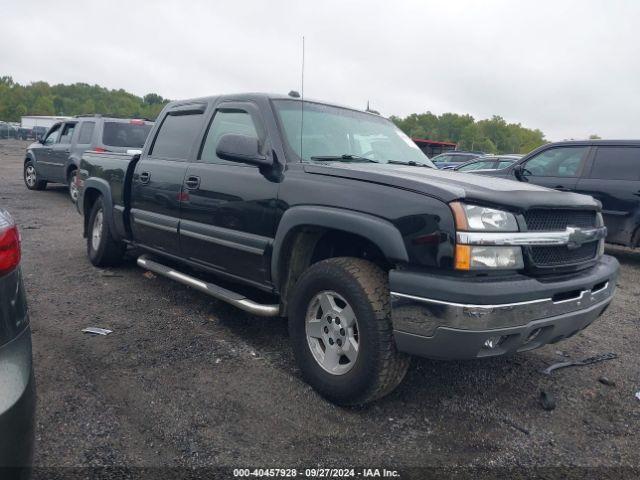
[[370, 251]]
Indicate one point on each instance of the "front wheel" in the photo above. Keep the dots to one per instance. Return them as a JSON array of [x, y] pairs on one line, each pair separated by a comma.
[[340, 326], [103, 250], [31, 178]]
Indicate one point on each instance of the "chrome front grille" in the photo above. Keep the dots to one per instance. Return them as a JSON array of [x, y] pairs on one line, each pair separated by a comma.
[[562, 255], [542, 220]]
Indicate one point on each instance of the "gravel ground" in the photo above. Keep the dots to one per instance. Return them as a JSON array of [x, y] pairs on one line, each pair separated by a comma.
[[184, 380]]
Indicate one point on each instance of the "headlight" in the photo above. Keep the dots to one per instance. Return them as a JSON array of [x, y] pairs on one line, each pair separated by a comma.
[[475, 218], [474, 257], [485, 219]]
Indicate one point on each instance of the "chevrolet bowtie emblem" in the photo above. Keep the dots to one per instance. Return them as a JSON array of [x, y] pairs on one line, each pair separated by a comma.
[[578, 237]]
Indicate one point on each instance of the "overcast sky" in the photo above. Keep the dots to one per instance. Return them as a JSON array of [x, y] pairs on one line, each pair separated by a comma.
[[569, 68]]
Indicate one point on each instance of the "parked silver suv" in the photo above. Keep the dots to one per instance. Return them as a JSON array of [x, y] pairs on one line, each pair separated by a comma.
[[55, 157]]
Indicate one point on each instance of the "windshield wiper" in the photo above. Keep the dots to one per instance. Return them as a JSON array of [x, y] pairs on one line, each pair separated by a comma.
[[410, 162], [338, 158]]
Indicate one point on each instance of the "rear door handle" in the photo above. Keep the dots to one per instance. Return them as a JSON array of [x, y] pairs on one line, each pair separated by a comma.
[[637, 194], [561, 188], [192, 182], [144, 177]]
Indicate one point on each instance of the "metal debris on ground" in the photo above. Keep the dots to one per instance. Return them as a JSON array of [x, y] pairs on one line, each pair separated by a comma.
[[148, 275], [107, 273], [97, 330], [607, 381], [513, 424], [547, 401], [638, 395], [578, 363]]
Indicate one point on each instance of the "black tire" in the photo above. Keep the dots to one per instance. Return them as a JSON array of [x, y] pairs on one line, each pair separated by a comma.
[[71, 186], [104, 251], [36, 184], [379, 367]]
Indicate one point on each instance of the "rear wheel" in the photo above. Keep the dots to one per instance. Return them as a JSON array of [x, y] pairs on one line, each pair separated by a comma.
[[103, 250], [73, 188], [31, 179], [340, 326]]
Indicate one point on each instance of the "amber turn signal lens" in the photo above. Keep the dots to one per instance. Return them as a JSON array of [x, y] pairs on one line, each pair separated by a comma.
[[460, 216], [463, 257]]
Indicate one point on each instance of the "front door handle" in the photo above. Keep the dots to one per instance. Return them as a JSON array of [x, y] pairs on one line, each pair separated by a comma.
[[637, 194], [192, 182], [144, 177]]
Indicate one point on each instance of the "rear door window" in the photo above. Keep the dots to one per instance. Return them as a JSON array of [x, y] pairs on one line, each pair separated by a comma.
[[616, 163], [121, 134], [86, 133], [176, 136]]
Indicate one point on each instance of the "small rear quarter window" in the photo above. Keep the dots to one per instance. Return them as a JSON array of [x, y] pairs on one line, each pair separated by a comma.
[[121, 134]]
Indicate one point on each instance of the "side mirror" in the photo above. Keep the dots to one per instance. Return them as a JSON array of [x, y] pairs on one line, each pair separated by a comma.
[[241, 148], [518, 171]]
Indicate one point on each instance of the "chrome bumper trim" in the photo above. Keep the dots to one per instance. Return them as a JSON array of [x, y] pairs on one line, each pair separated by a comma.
[[422, 315], [571, 236]]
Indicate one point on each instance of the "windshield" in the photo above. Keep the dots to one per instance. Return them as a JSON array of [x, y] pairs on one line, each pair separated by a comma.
[[339, 134]]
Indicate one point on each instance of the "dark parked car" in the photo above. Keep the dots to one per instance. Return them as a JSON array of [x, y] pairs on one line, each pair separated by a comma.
[[55, 158], [39, 132], [17, 388], [370, 252], [7, 131], [608, 170], [25, 133], [449, 160], [488, 162]]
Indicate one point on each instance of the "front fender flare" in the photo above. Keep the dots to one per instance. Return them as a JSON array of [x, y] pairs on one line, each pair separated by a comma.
[[381, 232]]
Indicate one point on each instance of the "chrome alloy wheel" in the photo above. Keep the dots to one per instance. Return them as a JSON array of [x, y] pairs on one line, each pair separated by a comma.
[[30, 175], [332, 332], [96, 231], [73, 187]]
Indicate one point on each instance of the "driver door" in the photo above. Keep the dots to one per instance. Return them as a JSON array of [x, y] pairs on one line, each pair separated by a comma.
[[558, 168], [43, 153]]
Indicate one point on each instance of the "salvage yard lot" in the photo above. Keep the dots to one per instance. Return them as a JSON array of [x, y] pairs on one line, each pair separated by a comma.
[[185, 380]]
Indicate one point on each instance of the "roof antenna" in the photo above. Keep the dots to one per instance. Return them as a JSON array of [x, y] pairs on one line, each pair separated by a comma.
[[302, 102]]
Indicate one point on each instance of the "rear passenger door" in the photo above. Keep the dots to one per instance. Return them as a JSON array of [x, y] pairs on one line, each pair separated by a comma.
[[229, 209], [158, 179], [614, 179], [558, 168]]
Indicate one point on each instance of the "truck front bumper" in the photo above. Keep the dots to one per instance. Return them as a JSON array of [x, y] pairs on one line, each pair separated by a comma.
[[449, 317]]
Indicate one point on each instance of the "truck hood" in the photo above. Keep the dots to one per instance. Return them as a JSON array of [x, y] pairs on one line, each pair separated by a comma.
[[449, 185]]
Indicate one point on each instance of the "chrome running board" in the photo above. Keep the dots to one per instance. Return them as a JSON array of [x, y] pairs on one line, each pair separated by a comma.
[[235, 299]]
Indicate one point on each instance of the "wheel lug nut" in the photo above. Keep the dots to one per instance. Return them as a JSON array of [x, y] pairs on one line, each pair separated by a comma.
[[326, 329], [337, 321], [331, 341], [339, 342], [328, 319], [342, 332]]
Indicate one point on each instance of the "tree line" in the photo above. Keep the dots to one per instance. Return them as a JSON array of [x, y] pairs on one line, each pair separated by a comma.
[[492, 135], [40, 98]]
